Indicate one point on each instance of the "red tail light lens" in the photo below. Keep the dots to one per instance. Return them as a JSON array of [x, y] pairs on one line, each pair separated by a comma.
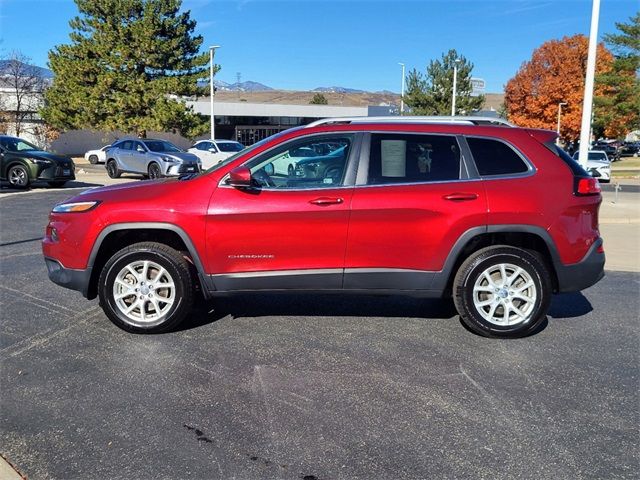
[[587, 186]]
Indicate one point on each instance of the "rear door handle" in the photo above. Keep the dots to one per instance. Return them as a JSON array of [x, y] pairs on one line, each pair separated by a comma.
[[322, 201], [461, 197]]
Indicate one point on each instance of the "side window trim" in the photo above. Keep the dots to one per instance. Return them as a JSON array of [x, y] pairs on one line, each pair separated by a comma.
[[467, 159], [531, 169]]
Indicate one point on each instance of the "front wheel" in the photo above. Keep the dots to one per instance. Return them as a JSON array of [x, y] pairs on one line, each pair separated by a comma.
[[112, 169], [146, 288], [154, 171], [18, 176], [502, 291]]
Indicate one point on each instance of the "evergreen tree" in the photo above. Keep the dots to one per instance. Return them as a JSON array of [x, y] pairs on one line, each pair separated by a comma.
[[127, 66], [431, 94], [319, 99], [618, 110]]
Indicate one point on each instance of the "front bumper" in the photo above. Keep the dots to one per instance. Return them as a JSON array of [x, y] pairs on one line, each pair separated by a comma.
[[56, 173], [181, 169], [68, 277], [585, 273]]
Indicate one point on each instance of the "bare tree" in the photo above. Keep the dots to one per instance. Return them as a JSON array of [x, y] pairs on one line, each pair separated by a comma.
[[24, 85]]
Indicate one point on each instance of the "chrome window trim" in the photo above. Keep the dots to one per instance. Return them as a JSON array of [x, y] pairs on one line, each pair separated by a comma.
[[531, 168]]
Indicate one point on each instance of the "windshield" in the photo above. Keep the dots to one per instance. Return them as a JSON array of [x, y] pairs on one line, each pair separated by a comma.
[[13, 144], [230, 147], [161, 146]]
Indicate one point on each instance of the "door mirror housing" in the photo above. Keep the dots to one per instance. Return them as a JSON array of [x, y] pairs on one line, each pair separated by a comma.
[[213, 150], [240, 177], [140, 149]]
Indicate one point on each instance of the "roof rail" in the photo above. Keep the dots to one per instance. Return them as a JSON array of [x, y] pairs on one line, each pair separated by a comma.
[[413, 119]]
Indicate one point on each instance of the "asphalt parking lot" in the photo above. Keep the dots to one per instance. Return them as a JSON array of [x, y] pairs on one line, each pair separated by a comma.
[[309, 387]]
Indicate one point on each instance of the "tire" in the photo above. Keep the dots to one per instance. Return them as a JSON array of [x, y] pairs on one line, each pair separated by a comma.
[[154, 171], [58, 184], [291, 171], [153, 315], [112, 169], [93, 159], [482, 305], [18, 176]]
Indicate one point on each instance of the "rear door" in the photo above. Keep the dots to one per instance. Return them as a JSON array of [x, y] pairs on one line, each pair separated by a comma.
[[289, 231], [415, 196]]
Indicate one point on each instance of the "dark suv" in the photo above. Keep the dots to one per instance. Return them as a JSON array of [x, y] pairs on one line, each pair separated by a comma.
[[498, 218]]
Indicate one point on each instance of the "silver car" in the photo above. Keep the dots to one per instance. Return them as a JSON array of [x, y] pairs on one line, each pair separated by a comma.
[[150, 157]]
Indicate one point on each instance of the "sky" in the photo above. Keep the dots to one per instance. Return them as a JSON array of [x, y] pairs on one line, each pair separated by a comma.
[[304, 44]]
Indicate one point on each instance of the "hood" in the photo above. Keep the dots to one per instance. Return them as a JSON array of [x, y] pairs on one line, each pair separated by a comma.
[[137, 185], [42, 156]]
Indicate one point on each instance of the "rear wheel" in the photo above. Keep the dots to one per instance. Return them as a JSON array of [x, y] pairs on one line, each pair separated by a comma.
[[93, 159], [146, 288], [503, 291], [154, 171], [112, 169], [18, 176]]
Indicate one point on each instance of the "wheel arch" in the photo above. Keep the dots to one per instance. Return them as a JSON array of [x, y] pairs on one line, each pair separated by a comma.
[[529, 237], [117, 236]]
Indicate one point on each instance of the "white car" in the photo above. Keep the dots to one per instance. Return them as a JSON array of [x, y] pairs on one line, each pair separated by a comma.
[[212, 152], [97, 156], [598, 165]]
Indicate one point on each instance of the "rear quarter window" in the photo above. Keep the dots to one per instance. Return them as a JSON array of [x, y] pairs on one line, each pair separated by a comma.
[[493, 157]]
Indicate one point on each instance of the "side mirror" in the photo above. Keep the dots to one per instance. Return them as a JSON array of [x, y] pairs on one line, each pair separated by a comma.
[[213, 150], [140, 149], [240, 177]]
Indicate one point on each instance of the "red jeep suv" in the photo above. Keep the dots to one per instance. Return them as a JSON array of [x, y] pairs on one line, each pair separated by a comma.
[[495, 216]]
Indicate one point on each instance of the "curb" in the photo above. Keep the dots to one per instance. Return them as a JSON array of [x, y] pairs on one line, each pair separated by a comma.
[[619, 221], [7, 472]]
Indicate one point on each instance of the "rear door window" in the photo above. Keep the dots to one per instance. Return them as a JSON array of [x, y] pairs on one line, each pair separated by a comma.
[[493, 157], [411, 158]]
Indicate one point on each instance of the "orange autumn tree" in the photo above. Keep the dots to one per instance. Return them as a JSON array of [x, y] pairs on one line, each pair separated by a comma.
[[555, 74]]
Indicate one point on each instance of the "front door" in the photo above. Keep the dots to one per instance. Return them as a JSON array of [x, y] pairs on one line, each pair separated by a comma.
[[290, 231], [415, 200]]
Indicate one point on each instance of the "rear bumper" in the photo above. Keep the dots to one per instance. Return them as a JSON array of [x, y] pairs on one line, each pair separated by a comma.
[[585, 273], [68, 277]]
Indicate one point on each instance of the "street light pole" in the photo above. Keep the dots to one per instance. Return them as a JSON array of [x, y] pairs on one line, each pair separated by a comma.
[[212, 90], [559, 113], [402, 91], [585, 128], [455, 86]]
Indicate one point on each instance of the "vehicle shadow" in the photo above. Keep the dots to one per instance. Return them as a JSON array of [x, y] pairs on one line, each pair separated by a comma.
[[569, 305], [317, 305]]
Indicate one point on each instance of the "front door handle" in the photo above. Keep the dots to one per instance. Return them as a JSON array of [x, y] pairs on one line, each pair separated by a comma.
[[322, 201], [461, 197]]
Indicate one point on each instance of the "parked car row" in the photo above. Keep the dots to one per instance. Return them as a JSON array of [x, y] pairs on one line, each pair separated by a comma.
[[155, 158]]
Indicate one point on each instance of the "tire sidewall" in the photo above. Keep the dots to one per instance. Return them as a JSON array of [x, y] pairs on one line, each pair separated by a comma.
[[93, 159], [523, 260], [107, 279]]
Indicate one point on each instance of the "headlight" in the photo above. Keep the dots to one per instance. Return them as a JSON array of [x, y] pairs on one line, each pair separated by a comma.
[[75, 207], [169, 159], [40, 161]]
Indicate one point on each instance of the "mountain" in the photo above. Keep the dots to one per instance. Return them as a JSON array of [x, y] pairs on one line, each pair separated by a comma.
[[247, 86], [28, 69], [337, 90]]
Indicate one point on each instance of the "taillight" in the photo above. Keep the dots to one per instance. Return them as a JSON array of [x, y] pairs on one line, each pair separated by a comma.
[[600, 249], [586, 186]]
